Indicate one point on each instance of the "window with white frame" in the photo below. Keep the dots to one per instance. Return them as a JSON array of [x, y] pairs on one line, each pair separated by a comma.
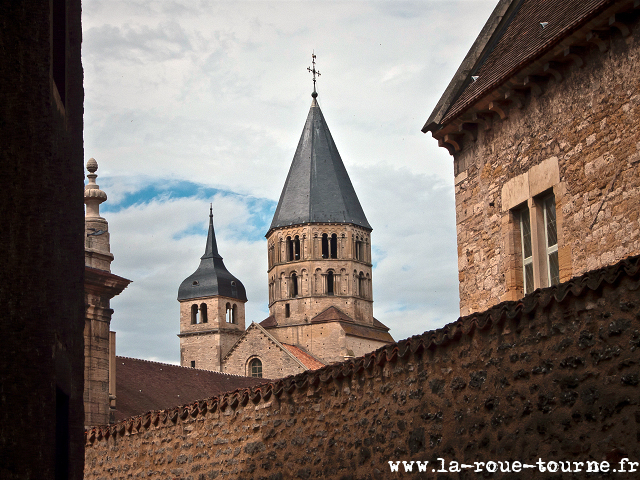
[[551, 239], [538, 243], [527, 250]]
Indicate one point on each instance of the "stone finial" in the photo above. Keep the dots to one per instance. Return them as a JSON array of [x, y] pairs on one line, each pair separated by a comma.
[[96, 243], [93, 196]]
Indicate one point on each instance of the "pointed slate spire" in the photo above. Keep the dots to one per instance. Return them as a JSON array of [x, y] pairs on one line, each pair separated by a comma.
[[212, 277], [211, 250], [318, 188]]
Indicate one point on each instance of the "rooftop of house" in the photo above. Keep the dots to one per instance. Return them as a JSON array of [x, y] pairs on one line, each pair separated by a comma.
[[309, 361], [519, 34]]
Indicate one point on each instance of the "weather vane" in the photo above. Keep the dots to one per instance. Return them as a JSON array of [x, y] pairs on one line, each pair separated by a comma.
[[315, 72]]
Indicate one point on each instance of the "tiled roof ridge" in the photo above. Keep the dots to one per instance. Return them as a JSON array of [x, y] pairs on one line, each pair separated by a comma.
[[467, 325], [179, 366]]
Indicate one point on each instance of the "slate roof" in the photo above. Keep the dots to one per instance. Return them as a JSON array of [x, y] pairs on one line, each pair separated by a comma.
[[511, 39], [212, 277], [309, 361], [493, 318], [318, 188], [142, 386]]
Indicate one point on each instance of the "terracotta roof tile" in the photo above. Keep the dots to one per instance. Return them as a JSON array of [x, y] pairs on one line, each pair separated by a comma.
[[522, 41], [308, 361], [142, 385]]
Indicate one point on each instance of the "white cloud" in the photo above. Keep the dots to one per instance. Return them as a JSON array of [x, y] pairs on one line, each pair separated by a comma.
[[216, 94]]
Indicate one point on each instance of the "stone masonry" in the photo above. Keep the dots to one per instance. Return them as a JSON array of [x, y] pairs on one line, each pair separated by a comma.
[[350, 262], [572, 131], [554, 376]]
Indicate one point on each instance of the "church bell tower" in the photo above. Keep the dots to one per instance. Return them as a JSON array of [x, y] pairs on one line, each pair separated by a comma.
[[319, 242], [211, 310]]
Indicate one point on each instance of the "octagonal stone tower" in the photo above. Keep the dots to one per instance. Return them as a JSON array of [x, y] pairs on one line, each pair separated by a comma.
[[319, 242]]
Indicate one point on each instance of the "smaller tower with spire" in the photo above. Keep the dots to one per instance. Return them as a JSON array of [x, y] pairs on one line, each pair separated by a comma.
[[211, 310]]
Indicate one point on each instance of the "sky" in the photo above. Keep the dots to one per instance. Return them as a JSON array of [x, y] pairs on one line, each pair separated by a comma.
[[191, 102]]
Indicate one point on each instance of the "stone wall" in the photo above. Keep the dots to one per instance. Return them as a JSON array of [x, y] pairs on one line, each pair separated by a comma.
[[554, 376], [208, 342], [586, 125]]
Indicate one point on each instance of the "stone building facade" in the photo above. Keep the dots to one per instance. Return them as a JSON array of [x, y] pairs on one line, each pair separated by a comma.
[[542, 122], [100, 286], [319, 278]]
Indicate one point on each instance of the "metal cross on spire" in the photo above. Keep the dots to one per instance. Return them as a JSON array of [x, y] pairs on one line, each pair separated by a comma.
[[315, 72]]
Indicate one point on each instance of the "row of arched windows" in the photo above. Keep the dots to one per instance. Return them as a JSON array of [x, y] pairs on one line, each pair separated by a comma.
[[320, 283], [199, 313], [323, 246]]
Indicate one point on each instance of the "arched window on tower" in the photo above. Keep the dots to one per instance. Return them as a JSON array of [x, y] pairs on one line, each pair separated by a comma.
[[289, 245], [255, 368], [296, 248], [329, 282], [194, 314], [293, 288], [358, 249], [334, 246], [361, 285], [325, 246], [229, 313], [234, 314], [203, 313]]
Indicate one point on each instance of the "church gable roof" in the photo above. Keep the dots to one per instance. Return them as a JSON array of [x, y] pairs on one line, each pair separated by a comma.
[[332, 314], [318, 188], [257, 329], [512, 38], [269, 322]]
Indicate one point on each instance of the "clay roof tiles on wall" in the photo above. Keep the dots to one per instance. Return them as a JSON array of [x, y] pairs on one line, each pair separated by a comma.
[[495, 316], [515, 38]]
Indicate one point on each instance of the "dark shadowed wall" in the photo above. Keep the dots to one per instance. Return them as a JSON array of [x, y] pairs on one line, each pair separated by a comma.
[[41, 240]]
